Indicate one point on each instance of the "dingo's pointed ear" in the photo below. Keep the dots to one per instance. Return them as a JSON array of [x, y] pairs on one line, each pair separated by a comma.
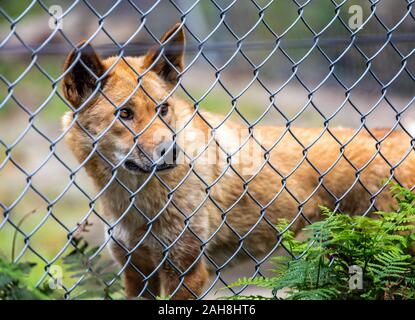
[[168, 63], [79, 82]]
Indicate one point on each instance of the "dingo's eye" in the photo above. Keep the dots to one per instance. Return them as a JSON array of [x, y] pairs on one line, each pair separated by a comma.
[[164, 108], [126, 114]]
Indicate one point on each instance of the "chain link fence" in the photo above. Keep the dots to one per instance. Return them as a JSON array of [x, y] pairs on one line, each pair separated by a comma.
[[288, 64]]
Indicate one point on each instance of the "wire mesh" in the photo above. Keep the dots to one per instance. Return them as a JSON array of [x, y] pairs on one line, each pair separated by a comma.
[[301, 63]]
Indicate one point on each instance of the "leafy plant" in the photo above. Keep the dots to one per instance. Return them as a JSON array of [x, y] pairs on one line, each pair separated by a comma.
[[98, 279], [95, 277], [381, 246], [14, 284]]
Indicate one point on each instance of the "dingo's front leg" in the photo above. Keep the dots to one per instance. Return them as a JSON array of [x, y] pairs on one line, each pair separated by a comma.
[[139, 266], [191, 287]]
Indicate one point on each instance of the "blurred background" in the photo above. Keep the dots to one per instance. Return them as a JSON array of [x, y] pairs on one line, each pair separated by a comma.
[[243, 55]]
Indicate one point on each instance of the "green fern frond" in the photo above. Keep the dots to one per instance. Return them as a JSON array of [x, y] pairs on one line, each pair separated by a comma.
[[381, 245], [257, 281], [315, 294]]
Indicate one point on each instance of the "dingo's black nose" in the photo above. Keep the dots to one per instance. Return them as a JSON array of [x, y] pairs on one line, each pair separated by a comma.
[[168, 151]]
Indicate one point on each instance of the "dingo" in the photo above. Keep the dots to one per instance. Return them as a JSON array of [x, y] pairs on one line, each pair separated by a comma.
[[223, 188]]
